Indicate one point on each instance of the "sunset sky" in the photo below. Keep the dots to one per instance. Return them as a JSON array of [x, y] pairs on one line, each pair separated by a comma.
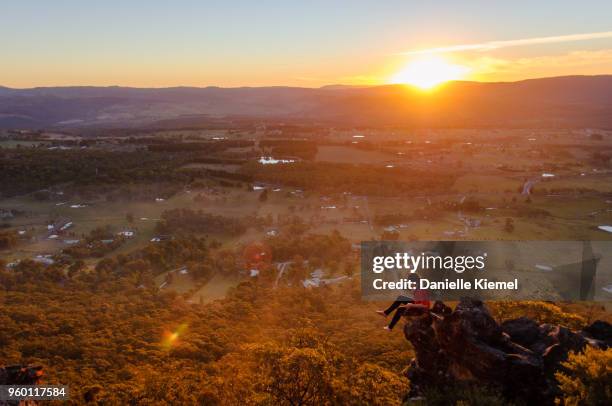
[[306, 43]]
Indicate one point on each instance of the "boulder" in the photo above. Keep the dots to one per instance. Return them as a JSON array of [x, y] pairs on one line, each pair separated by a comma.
[[523, 331], [601, 331]]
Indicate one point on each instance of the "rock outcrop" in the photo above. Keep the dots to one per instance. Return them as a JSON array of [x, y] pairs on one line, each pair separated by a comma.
[[518, 357]]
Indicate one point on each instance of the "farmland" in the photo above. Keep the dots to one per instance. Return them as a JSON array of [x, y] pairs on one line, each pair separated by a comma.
[[433, 173]]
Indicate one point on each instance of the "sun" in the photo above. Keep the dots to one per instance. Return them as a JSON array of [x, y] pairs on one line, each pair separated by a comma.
[[429, 72]]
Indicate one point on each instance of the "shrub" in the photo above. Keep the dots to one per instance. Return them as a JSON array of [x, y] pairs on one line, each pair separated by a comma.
[[541, 312], [465, 395], [588, 378]]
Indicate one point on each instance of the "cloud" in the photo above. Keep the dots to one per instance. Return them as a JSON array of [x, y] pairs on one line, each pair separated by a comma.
[[491, 45], [572, 63]]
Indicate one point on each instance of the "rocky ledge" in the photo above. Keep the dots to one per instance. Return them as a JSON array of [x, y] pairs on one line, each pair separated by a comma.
[[518, 357]]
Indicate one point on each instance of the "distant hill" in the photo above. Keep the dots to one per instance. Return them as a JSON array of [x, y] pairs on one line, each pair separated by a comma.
[[571, 101]]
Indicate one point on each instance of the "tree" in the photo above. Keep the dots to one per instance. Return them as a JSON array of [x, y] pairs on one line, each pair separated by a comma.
[[509, 225], [373, 385], [75, 267], [600, 158], [349, 268], [7, 239], [299, 376], [263, 196]]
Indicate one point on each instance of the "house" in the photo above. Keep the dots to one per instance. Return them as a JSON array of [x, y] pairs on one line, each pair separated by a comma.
[[311, 283], [44, 259], [318, 273], [317, 282], [6, 214], [66, 226], [159, 238], [470, 222], [605, 228]]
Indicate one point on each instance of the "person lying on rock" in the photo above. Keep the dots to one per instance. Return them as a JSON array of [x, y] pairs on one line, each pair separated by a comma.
[[405, 305]]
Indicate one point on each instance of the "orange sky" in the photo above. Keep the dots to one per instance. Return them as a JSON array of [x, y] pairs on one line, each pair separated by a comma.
[[241, 43]]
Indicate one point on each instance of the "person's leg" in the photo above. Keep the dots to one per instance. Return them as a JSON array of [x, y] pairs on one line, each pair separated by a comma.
[[399, 301], [396, 317]]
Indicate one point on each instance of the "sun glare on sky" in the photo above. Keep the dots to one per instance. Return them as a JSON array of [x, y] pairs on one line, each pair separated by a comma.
[[429, 71]]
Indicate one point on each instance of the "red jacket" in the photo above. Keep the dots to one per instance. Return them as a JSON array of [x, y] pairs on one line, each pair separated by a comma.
[[421, 296]]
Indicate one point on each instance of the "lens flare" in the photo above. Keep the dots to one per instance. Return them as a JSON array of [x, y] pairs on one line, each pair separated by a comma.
[[170, 338]]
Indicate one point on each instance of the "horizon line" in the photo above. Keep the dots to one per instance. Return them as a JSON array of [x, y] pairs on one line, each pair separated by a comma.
[[291, 86]]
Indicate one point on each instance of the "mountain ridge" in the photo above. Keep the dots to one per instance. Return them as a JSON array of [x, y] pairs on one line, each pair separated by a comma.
[[565, 101]]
